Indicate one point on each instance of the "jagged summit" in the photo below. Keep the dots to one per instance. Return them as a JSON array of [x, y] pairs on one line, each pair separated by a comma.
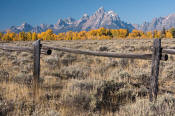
[[100, 10], [24, 27], [85, 15], [101, 18], [159, 23], [69, 20]]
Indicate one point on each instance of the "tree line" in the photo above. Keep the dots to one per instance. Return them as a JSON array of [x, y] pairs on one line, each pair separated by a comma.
[[101, 33]]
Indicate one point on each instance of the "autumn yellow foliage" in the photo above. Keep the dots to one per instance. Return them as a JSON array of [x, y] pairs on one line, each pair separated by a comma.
[[101, 33]]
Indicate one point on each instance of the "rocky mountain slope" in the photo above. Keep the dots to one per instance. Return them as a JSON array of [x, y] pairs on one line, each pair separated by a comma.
[[158, 23], [100, 18]]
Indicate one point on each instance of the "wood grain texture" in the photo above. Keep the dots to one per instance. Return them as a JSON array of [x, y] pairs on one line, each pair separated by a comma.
[[24, 49], [36, 70], [168, 51], [157, 53], [15, 48], [98, 53]]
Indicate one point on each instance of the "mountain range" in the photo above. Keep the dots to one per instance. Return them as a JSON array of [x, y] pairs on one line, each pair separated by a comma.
[[101, 18], [166, 22]]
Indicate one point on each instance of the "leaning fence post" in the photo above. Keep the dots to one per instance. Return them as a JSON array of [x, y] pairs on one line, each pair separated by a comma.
[[156, 56], [36, 71]]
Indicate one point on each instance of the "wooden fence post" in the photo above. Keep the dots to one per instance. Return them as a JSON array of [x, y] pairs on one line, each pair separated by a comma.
[[156, 56], [36, 71]]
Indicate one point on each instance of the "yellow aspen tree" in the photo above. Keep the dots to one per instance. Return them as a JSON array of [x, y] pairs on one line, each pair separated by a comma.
[[20, 36], [123, 33], [115, 33], [149, 34], [169, 34], [34, 36], [136, 34], [83, 35], [69, 35], [15, 37], [29, 36], [61, 36], [1, 36], [49, 34], [6, 37], [39, 36], [101, 31], [157, 34]]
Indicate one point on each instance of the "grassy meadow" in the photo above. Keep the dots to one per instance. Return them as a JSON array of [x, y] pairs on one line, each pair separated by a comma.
[[82, 85]]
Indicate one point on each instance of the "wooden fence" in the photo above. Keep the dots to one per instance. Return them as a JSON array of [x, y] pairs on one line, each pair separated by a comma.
[[158, 53]]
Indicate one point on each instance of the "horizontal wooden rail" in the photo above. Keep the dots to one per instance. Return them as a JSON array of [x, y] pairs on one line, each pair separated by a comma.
[[168, 51], [105, 54], [24, 49], [156, 56], [11, 48], [47, 51]]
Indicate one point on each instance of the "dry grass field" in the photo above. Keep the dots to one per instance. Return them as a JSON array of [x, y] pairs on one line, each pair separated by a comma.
[[81, 85]]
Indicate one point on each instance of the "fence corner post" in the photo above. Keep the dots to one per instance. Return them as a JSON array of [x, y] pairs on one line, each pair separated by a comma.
[[36, 71], [156, 56]]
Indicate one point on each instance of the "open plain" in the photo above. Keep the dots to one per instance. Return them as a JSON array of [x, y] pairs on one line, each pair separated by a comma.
[[82, 85]]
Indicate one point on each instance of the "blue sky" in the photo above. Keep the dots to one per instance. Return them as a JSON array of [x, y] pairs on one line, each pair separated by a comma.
[[36, 12]]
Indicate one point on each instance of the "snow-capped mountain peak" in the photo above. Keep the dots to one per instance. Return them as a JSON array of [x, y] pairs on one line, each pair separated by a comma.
[[112, 13], [100, 18], [100, 10], [158, 23]]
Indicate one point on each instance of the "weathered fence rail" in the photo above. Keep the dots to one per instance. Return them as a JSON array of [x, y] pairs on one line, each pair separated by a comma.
[[106, 54], [24, 49], [168, 51], [158, 53], [11, 48]]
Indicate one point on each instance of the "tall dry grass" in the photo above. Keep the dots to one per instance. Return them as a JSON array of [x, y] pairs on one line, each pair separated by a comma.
[[73, 85]]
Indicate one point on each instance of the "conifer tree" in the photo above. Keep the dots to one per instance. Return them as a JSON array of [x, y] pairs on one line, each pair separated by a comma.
[[172, 31]]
